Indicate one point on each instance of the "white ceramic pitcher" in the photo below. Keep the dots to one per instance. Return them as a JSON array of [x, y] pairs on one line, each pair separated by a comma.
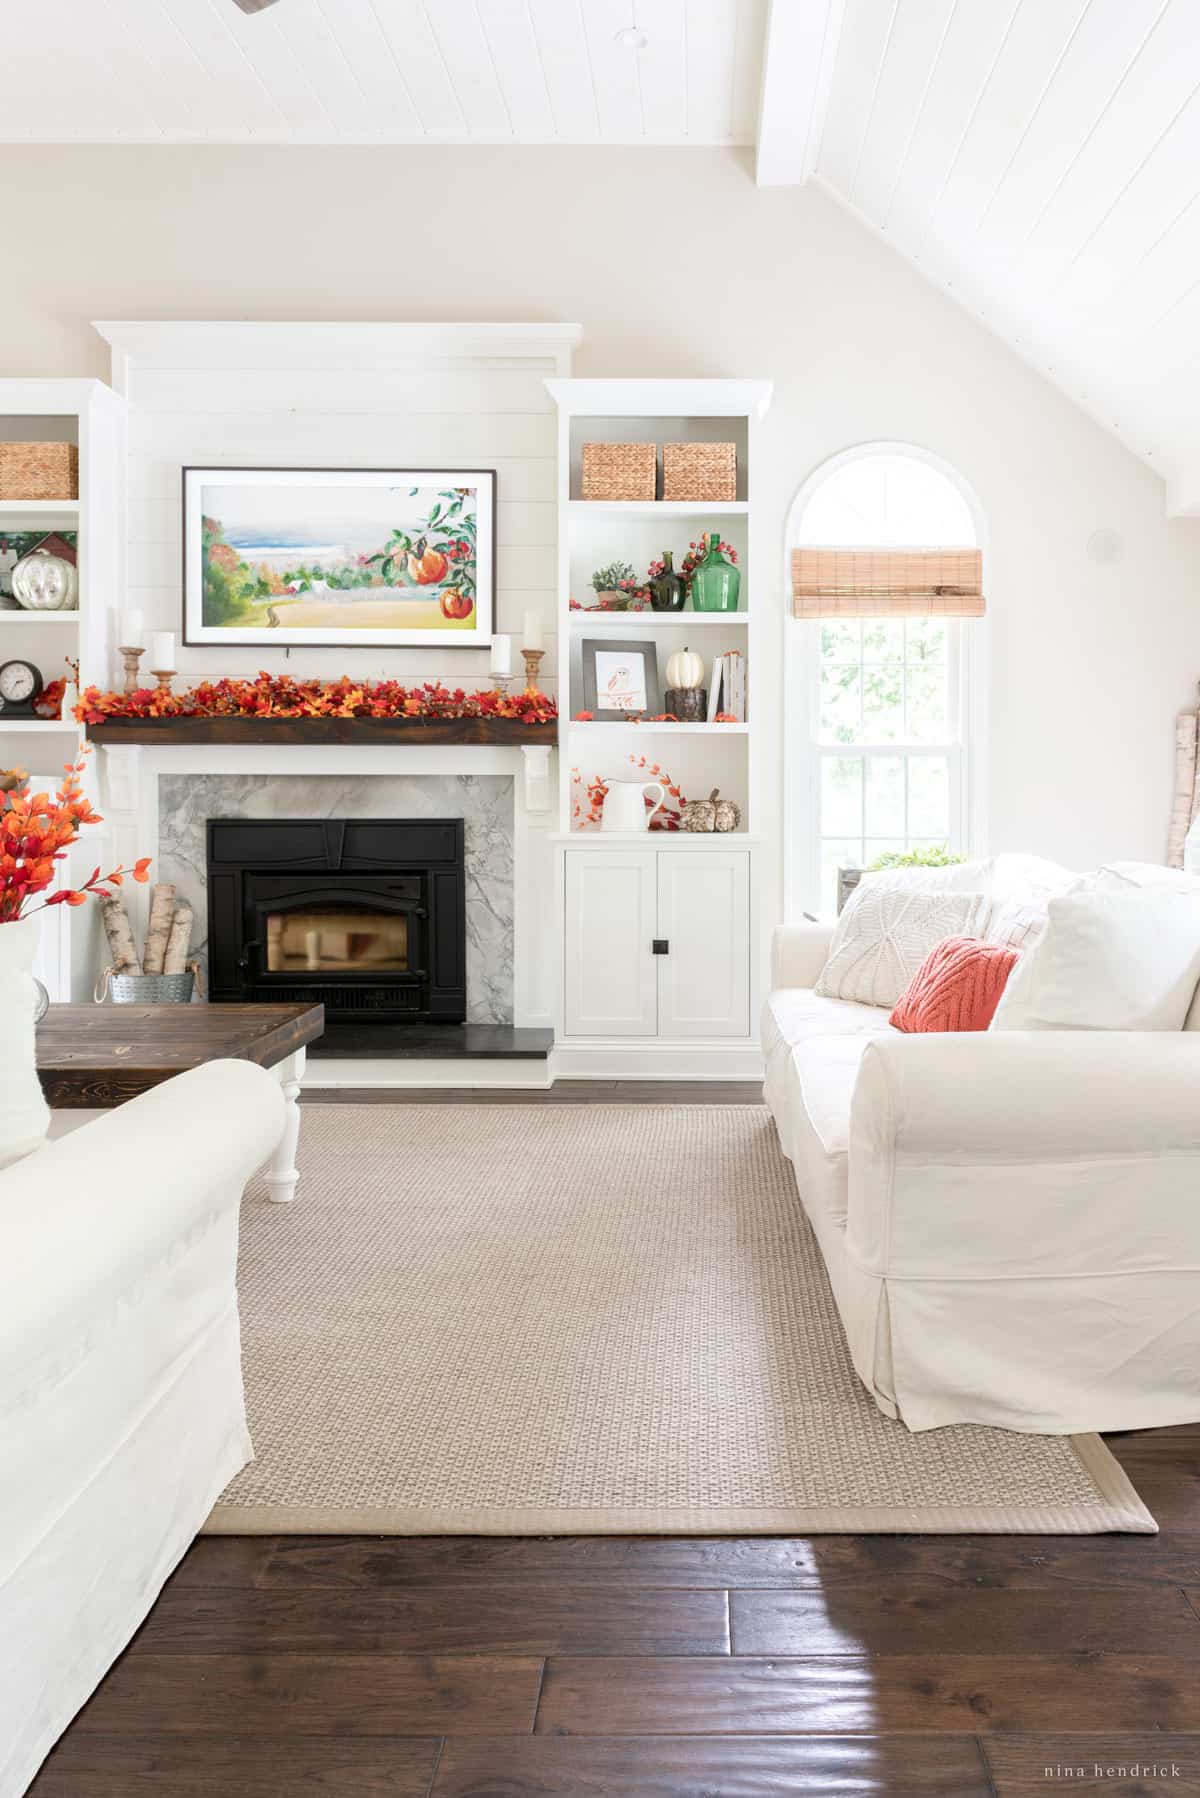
[[625, 804]]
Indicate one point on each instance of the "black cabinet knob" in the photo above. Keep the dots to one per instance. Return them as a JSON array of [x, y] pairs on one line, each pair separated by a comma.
[[660, 946]]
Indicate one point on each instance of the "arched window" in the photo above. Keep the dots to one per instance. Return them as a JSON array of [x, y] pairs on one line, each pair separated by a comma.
[[879, 664]]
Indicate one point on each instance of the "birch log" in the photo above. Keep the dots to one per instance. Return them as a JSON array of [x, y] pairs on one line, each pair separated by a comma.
[[1183, 805], [162, 910], [179, 941], [121, 951]]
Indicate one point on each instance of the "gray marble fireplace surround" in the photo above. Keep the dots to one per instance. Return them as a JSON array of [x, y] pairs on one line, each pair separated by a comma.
[[484, 802]]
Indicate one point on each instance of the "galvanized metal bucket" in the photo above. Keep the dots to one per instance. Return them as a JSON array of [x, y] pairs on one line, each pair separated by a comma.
[[152, 989]]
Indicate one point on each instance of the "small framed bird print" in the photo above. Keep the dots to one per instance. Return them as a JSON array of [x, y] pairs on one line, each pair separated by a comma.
[[356, 558]]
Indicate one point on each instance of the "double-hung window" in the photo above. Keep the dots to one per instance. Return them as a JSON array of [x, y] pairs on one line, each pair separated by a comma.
[[882, 714]]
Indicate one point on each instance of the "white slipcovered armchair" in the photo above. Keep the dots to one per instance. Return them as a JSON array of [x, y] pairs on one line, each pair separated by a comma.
[[1010, 1220], [121, 1407]]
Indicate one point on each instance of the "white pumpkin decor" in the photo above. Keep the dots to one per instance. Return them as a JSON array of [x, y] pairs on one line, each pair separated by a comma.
[[45, 583], [685, 669]]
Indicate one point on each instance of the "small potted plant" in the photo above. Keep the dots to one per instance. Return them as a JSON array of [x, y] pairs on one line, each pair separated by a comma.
[[617, 587]]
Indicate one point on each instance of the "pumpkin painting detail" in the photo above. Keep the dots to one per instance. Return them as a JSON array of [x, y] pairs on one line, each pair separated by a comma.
[[685, 669], [713, 813]]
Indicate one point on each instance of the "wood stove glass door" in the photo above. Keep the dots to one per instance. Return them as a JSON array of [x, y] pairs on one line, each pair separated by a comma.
[[327, 937]]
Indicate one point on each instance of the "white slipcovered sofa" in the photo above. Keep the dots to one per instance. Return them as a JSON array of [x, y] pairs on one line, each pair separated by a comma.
[[121, 1407], [1010, 1220]]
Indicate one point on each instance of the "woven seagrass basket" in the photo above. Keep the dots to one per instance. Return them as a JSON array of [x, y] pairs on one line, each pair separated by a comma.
[[39, 471], [699, 470], [619, 470]]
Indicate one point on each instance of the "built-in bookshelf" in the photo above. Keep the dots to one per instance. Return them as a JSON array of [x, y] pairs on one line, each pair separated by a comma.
[[91, 416], [595, 532], [622, 894]]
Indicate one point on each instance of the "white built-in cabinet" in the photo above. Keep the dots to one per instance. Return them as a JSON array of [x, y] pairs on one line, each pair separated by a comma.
[[657, 943], [689, 1009]]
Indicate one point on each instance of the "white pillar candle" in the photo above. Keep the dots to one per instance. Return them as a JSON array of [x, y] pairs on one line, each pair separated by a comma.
[[162, 651], [533, 631], [132, 624], [501, 656]]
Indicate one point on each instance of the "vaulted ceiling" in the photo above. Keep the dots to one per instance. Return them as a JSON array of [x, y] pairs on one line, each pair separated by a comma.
[[382, 71], [1037, 159]]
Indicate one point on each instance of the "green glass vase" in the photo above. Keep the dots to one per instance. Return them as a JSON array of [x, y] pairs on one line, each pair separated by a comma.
[[716, 583]]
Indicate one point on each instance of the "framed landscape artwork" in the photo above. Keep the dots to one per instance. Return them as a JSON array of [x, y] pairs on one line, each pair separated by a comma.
[[352, 557]]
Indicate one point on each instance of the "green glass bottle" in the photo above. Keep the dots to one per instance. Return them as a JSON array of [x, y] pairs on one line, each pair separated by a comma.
[[716, 582], [667, 591]]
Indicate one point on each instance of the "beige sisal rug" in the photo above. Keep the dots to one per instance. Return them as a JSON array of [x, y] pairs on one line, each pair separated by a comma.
[[531, 1320]]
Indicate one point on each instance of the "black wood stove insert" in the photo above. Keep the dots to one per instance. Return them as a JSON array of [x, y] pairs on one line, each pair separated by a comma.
[[366, 915]]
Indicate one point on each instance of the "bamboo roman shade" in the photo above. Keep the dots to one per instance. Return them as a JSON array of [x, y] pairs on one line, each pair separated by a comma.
[[887, 583]]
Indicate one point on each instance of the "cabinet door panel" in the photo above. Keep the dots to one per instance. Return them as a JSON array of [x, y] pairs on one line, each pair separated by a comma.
[[704, 913], [609, 982]]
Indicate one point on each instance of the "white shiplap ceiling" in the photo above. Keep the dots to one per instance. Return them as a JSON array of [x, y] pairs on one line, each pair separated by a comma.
[[381, 71], [1038, 159]]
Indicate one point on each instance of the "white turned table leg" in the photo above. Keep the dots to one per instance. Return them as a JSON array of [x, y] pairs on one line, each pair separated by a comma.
[[282, 1175]]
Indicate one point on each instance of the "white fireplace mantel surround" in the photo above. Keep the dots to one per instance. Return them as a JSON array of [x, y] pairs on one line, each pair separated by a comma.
[[130, 776], [367, 394]]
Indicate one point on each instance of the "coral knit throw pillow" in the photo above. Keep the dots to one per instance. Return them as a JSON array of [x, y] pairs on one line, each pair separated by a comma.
[[957, 986]]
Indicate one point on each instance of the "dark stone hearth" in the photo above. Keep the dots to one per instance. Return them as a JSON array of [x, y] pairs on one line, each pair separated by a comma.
[[436, 1042]]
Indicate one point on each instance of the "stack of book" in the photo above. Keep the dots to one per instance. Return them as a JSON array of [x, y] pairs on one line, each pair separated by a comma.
[[727, 687]]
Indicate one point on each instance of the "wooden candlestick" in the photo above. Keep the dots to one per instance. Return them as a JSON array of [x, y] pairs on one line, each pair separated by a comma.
[[532, 658], [131, 657], [164, 677]]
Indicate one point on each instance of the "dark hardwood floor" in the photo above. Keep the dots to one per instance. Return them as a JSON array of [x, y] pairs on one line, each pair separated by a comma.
[[613, 1667], [604, 1667]]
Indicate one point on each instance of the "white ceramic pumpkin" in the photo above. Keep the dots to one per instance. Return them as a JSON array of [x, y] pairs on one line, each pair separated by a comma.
[[45, 583], [685, 669]]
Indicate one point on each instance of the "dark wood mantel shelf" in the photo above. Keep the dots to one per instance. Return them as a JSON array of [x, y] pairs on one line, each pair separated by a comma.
[[163, 732]]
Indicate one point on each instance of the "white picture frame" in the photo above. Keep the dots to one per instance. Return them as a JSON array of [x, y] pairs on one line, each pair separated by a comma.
[[328, 557]]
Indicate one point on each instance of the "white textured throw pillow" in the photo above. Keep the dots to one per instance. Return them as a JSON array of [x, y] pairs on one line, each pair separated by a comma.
[[1107, 961], [882, 939]]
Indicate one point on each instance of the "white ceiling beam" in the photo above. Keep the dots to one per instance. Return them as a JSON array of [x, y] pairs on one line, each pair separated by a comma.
[[1183, 491], [798, 63]]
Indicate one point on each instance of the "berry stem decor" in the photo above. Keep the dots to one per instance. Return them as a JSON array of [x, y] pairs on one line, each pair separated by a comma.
[[279, 696], [36, 830], [588, 794]]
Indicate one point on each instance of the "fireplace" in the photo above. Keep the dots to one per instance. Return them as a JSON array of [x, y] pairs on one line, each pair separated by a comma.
[[365, 915]]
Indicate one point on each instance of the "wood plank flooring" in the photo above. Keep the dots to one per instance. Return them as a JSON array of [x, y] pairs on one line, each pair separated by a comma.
[[615, 1667], [610, 1667]]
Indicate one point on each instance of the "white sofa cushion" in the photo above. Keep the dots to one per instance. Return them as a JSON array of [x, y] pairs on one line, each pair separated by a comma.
[[1129, 877], [1108, 961], [812, 1047], [1008, 875], [882, 939], [793, 1014]]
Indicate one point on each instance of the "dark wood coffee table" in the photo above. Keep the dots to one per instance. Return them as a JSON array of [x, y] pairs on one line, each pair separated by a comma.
[[92, 1057]]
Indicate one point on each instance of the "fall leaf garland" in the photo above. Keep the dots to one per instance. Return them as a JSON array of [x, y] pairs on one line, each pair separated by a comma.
[[279, 696]]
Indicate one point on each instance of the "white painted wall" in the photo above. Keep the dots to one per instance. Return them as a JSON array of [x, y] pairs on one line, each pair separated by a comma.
[[284, 400], [677, 265]]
